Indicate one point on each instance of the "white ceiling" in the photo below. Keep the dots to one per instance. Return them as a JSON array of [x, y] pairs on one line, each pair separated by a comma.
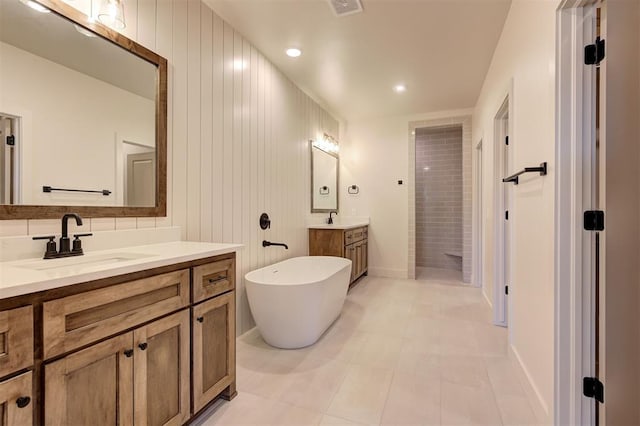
[[441, 50]]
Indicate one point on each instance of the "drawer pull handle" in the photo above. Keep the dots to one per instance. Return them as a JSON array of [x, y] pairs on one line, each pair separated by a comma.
[[217, 279], [23, 401], [128, 353], [200, 319], [142, 346]]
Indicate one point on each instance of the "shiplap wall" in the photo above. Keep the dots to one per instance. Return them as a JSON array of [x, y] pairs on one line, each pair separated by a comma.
[[237, 139]]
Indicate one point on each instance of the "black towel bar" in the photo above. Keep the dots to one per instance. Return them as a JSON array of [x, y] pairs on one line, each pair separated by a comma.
[[102, 191], [514, 178]]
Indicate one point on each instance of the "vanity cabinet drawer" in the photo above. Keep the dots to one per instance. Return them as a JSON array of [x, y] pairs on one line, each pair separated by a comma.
[[213, 278], [348, 237], [16, 339], [357, 235], [74, 321]]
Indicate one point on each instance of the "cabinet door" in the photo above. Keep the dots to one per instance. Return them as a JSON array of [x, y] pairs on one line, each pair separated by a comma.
[[365, 256], [93, 386], [16, 407], [358, 259], [350, 253], [161, 376], [214, 351], [16, 340]]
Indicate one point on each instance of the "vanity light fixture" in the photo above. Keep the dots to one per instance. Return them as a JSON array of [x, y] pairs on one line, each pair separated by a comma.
[[111, 13], [327, 144], [35, 6], [239, 65], [293, 52], [400, 88]]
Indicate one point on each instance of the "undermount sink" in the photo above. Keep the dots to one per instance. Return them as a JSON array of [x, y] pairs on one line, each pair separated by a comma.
[[81, 262]]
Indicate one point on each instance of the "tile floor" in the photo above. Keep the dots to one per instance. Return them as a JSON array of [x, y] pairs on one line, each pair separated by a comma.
[[402, 352]]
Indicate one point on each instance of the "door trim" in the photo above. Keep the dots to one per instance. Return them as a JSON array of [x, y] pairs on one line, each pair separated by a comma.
[[500, 301], [478, 217], [574, 189]]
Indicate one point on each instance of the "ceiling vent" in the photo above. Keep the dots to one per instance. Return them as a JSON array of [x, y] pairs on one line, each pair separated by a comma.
[[345, 7]]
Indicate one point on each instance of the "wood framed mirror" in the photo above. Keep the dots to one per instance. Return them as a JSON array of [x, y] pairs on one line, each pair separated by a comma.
[[325, 167], [83, 117]]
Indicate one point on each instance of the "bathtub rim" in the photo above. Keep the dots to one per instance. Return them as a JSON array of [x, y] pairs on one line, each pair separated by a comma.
[[347, 263]]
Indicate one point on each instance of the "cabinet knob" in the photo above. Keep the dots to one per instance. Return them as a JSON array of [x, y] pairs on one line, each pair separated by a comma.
[[200, 319], [142, 346], [128, 353], [23, 401]]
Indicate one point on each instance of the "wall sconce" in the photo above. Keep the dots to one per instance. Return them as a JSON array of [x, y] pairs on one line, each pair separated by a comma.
[[111, 13], [327, 144]]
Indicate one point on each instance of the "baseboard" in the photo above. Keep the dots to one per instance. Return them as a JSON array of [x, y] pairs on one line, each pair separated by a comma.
[[540, 408], [388, 273]]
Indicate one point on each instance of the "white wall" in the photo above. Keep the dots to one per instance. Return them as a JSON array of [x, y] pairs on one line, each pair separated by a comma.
[[524, 63], [67, 133], [237, 140]]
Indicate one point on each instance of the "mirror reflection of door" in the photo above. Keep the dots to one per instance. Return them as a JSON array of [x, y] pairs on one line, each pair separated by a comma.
[[140, 180], [8, 127]]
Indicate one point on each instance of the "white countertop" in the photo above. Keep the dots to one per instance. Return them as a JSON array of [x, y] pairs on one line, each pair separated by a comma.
[[19, 277], [349, 225]]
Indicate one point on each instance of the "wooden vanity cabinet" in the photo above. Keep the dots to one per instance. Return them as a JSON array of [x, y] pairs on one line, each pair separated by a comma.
[[124, 350], [349, 243]]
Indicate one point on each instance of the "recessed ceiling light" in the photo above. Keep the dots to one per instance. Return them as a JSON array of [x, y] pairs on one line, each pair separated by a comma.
[[293, 52], [399, 88], [426, 168], [35, 6]]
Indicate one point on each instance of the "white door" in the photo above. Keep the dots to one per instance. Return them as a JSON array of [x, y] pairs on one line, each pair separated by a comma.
[[140, 182]]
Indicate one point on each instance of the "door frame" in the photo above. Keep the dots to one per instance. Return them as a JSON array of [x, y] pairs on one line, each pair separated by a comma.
[[501, 309], [451, 118], [478, 217], [574, 190]]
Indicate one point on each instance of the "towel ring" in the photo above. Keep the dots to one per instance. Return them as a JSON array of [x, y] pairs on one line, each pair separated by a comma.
[[324, 190], [353, 189]]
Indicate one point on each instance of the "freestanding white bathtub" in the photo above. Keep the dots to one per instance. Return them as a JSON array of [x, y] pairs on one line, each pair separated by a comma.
[[296, 300]]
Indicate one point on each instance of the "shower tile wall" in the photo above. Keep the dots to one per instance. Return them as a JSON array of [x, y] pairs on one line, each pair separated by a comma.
[[439, 198]]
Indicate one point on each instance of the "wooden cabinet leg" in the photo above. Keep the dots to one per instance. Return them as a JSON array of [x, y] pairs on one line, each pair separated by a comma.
[[229, 392]]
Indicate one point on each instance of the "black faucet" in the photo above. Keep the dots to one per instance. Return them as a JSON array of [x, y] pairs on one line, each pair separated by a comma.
[[65, 242], [266, 243], [330, 220]]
